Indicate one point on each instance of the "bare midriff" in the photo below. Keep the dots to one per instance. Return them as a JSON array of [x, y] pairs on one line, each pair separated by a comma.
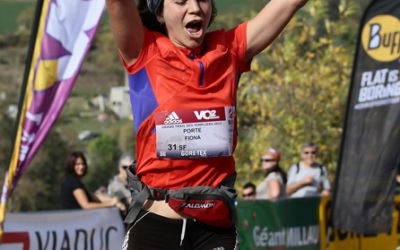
[[163, 209]]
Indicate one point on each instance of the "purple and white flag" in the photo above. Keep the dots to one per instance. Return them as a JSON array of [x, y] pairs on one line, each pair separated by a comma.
[[64, 33]]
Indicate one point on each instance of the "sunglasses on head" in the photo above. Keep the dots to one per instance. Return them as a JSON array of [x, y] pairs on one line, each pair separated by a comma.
[[309, 152], [249, 194]]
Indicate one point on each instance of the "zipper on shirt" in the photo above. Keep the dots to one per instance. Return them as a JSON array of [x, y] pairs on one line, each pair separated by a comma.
[[201, 78], [201, 66]]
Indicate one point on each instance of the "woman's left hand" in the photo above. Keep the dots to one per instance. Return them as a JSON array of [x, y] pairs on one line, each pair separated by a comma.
[[121, 206]]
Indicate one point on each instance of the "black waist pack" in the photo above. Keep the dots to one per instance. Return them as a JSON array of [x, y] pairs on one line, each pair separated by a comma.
[[208, 205]]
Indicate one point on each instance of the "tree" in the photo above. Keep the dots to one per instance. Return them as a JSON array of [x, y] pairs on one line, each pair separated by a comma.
[[102, 155], [125, 135], [38, 188], [127, 139], [296, 92]]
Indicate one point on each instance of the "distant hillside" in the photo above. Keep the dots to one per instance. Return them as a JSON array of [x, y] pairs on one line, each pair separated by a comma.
[[10, 10]]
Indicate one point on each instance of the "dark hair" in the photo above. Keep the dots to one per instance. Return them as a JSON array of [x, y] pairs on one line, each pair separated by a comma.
[[150, 21], [249, 185], [278, 170], [71, 160]]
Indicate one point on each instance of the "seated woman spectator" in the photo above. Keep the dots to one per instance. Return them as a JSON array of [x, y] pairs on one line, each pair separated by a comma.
[[273, 185], [74, 194]]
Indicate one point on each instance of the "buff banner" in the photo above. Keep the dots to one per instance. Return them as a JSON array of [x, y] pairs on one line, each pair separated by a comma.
[[62, 34], [370, 151]]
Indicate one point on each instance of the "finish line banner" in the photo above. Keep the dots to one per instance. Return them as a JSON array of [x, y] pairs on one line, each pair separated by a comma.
[[95, 229], [370, 152]]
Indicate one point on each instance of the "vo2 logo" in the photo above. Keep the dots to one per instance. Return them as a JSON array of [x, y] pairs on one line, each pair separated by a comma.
[[206, 115]]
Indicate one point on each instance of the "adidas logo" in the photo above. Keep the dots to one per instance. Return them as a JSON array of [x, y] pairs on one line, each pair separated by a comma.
[[173, 118]]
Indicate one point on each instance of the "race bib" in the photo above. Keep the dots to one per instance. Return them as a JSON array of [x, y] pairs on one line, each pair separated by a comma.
[[195, 133]]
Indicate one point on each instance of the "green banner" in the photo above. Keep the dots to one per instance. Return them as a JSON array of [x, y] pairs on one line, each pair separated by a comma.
[[285, 224]]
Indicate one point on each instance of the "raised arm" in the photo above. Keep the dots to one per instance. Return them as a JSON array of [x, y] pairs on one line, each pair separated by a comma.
[[127, 28], [269, 23]]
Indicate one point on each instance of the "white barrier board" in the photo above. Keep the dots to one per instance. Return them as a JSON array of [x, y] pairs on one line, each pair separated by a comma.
[[97, 229]]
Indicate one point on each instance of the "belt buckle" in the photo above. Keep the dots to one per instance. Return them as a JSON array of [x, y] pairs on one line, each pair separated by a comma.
[[159, 193]]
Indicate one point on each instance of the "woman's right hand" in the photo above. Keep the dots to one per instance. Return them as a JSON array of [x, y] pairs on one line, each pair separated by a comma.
[[308, 180], [114, 200], [117, 203]]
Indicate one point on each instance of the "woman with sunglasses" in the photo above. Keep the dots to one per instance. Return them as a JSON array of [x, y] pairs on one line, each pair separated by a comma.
[[307, 177], [273, 185], [118, 185], [74, 194]]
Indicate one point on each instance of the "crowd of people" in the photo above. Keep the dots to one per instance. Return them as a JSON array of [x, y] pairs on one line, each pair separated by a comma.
[[305, 178]]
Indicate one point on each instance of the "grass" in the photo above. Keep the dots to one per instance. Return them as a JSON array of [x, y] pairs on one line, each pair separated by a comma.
[[9, 13]]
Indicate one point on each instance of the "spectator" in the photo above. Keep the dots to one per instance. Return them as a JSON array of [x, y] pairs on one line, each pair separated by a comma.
[[273, 185], [118, 185], [307, 177], [249, 191], [74, 194]]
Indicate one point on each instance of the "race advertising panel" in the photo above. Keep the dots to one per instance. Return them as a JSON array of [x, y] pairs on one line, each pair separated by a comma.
[[93, 229], [284, 224], [370, 151]]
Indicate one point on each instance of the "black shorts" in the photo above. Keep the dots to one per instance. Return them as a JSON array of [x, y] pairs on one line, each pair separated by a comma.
[[154, 232]]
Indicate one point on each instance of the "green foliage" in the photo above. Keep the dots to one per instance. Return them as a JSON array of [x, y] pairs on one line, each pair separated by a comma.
[[102, 155], [296, 92], [10, 11], [104, 51], [126, 137], [25, 23], [38, 188]]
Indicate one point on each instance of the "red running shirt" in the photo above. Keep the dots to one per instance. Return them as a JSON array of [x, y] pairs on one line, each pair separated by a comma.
[[171, 82]]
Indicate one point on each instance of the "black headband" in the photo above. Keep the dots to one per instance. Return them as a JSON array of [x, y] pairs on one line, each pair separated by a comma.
[[154, 5]]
